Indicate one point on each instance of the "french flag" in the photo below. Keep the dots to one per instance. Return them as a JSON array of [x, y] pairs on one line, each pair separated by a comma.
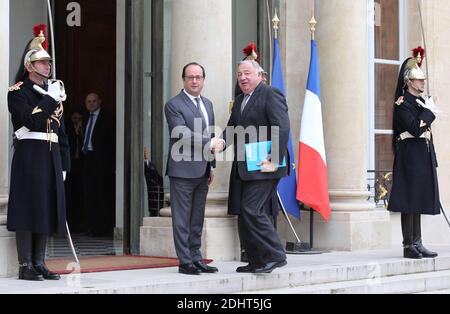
[[312, 183]]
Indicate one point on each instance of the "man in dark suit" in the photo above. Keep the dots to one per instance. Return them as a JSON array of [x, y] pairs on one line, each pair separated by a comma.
[[189, 167], [99, 164], [74, 183], [262, 111]]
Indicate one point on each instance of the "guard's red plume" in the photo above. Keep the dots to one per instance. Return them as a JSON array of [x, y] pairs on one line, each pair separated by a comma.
[[419, 51], [248, 51], [37, 30]]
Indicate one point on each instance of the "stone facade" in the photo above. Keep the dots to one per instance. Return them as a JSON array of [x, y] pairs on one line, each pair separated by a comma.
[[343, 43], [8, 255]]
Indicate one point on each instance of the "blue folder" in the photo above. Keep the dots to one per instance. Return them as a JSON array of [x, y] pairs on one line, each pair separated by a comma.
[[255, 153]]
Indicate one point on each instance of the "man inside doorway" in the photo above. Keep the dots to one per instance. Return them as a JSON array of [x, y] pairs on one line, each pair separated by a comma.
[[99, 168]]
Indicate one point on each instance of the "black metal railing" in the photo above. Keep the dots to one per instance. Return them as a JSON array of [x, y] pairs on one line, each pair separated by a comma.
[[156, 200], [379, 184]]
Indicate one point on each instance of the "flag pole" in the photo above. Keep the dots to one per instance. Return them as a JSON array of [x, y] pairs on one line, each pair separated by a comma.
[[271, 52], [298, 247], [275, 26], [313, 24]]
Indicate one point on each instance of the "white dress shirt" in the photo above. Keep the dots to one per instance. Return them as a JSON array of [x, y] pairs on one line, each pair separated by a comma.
[[202, 106]]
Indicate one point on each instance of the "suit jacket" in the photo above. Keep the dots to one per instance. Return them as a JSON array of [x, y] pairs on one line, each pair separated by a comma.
[[186, 157], [103, 140], [267, 107]]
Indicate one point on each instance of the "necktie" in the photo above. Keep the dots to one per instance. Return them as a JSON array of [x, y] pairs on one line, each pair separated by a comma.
[[197, 100], [88, 133], [245, 102]]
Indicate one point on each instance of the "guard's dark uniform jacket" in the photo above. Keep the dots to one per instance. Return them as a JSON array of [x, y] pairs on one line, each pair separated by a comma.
[[415, 186], [37, 199]]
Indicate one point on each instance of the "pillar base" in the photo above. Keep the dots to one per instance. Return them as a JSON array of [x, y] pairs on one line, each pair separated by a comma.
[[9, 266], [220, 240], [346, 231]]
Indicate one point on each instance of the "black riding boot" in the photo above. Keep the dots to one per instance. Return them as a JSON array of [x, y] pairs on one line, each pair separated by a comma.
[[418, 239], [39, 248], [409, 235], [24, 241]]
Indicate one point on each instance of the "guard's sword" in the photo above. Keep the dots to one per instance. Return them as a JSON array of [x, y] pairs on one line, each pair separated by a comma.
[[52, 36]]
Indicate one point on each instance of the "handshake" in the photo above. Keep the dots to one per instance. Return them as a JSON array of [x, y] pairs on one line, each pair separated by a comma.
[[217, 145], [56, 90]]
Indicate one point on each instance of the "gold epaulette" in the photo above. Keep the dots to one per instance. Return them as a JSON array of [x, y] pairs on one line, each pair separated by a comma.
[[15, 87], [400, 101]]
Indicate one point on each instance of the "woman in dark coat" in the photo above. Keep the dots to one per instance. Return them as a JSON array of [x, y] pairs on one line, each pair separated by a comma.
[[36, 206], [415, 190]]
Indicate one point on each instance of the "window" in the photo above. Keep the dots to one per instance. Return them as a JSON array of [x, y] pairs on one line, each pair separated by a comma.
[[386, 55]]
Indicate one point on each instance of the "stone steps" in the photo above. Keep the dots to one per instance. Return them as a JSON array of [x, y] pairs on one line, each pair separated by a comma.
[[447, 291], [336, 272], [429, 282]]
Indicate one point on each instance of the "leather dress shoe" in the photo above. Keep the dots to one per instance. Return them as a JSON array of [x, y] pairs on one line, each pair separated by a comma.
[[46, 273], [188, 269], [425, 252], [27, 272], [269, 267], [202, 267], [246, 269], [410, 251]]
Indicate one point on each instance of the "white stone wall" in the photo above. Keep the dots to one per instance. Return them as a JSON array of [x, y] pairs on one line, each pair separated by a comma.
[[8, 256], [24, 15], [437, 34], [202, 32], [4, 83]]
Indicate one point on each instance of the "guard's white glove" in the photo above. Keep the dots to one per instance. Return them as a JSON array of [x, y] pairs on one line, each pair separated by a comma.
[[429, 104], [64, 175], [55, 90]]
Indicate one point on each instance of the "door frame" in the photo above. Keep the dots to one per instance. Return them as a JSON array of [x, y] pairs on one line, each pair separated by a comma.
[[134, 125]]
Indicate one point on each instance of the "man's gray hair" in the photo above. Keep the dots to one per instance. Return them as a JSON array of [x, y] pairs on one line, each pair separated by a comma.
[[255, 64]]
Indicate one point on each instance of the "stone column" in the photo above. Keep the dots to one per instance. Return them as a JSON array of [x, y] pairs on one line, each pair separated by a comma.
[[8, 255], [342, 40], [202, 33]]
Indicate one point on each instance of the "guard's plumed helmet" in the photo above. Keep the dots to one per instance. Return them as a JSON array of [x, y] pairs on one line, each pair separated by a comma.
[[251, 52], [37, 49], [413, 70], [410, 70]]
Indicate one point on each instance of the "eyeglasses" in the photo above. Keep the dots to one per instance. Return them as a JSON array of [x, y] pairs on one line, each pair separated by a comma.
[[191, 78]]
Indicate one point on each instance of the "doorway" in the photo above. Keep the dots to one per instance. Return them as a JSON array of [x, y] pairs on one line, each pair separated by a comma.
[[86, 49]]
